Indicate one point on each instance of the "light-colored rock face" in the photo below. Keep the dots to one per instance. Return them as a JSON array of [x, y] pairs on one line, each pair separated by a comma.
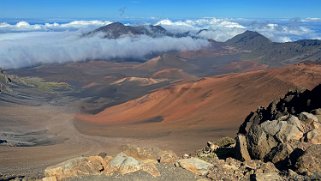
[[148, 155], [314, 136], [81, 166], [124, 164], [241, 145], [195, 165], [308, 117], [135, 159], [288, 130]]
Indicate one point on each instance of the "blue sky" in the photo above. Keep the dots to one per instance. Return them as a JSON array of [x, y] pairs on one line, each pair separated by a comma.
[[159, 8]]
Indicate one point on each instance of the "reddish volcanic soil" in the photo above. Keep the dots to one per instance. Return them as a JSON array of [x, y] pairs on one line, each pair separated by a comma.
[[200, 110]]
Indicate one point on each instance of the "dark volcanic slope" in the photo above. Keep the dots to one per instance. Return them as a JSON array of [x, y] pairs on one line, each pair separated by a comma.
[[116, 30], [277, 53], [250, 40], [29, 90]]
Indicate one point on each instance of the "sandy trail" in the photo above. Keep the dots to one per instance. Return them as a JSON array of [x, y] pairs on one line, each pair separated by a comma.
[[58, 121]]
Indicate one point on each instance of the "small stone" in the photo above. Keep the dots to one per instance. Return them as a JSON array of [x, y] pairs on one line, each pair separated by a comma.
[[176, 164], [185, 156], [195, 165], [213, 147], [250, 165], [292, 174], [102, 154]]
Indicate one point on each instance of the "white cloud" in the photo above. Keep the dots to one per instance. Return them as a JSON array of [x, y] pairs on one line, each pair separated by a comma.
[[24, 26], [312, 20], [218, 29], [224, 29], [29, 44], [26, 49]]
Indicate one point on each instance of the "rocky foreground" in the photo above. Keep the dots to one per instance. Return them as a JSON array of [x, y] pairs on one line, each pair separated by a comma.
[[280, 142]]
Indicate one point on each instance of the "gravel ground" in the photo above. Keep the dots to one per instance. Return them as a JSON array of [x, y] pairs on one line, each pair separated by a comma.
[[168, 172]]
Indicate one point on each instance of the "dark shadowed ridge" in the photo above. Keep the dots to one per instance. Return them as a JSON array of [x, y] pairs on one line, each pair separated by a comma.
[[276, 54], [116, 30]]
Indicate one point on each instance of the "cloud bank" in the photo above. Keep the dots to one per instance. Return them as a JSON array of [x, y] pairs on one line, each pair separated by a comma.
[[26, 44], [24, 26], [27, 49], [278, 30]]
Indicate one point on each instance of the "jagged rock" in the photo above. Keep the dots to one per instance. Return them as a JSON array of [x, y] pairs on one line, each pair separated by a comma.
[[241, 146], [168, 157], [124, 164], [213, 147], [250, 165], [151, 169], [292, 175], [314, 136], [282, 130], [140, 153], [229, 169], [195, 165], [266, 167], [308, 117], [148, 155], [80, 166], [96, 165], [310, 162]]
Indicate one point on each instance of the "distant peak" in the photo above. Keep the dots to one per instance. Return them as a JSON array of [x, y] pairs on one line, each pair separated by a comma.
[[116, 24], [249, 39], [249, 33]]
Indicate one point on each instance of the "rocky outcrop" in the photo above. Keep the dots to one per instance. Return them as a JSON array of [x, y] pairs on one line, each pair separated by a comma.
[[81, 166], [5, 80], [282, 131], [152, 155], [229, 168], [132, 159]]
